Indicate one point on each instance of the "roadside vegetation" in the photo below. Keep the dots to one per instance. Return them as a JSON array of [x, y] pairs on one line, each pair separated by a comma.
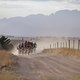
[[8, 61], [77, 77], [8, 65], [63, 51], [8, 75], [5, 43]]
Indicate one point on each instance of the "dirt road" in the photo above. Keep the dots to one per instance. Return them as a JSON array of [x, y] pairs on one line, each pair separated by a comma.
[[48, 67]]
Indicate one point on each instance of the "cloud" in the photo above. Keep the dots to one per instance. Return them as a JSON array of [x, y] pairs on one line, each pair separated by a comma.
[[30, 0], [25, 8], [69, 1], [75, 1]]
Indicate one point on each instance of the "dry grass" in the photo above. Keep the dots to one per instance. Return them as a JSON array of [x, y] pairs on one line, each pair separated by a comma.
[[7, 58], [77, 77], [8, 75], [63, 51]]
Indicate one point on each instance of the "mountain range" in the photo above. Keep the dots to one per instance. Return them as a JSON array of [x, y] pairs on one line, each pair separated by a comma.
[[62, 23]]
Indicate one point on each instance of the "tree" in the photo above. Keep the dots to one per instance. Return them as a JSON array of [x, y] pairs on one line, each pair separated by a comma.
[[5, 43]]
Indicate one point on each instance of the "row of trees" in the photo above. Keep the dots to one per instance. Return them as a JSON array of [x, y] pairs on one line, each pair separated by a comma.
[[5, 43]]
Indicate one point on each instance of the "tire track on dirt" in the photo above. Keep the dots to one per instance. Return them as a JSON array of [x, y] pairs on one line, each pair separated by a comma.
[[54, 67]]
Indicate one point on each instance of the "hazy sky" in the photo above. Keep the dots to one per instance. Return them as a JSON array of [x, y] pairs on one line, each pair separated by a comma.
[[61, 23], [13, 8]]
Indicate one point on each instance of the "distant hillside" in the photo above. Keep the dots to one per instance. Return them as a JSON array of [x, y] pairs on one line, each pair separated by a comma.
[[62, 23]]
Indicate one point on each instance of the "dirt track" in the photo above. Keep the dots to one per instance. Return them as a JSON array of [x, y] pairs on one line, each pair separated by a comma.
[[48, 67]]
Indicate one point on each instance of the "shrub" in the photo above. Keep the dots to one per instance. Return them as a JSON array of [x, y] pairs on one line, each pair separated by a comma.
[[5, 43]]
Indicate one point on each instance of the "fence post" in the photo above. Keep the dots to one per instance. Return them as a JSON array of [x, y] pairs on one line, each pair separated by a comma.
[[66, 44], [73, 44], [57, 44], [78, 44], [63, 44], [69, 43], [50, 46]]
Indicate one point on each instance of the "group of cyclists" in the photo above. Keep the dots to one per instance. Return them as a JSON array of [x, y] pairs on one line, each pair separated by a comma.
[[26, 47]]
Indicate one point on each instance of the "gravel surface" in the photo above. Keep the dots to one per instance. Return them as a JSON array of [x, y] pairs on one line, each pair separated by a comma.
[[44, 66]]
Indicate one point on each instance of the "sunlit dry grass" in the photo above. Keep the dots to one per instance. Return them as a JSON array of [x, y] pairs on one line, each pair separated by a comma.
[[76, 77], [8, 75], [6, 58], [63, 51]]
